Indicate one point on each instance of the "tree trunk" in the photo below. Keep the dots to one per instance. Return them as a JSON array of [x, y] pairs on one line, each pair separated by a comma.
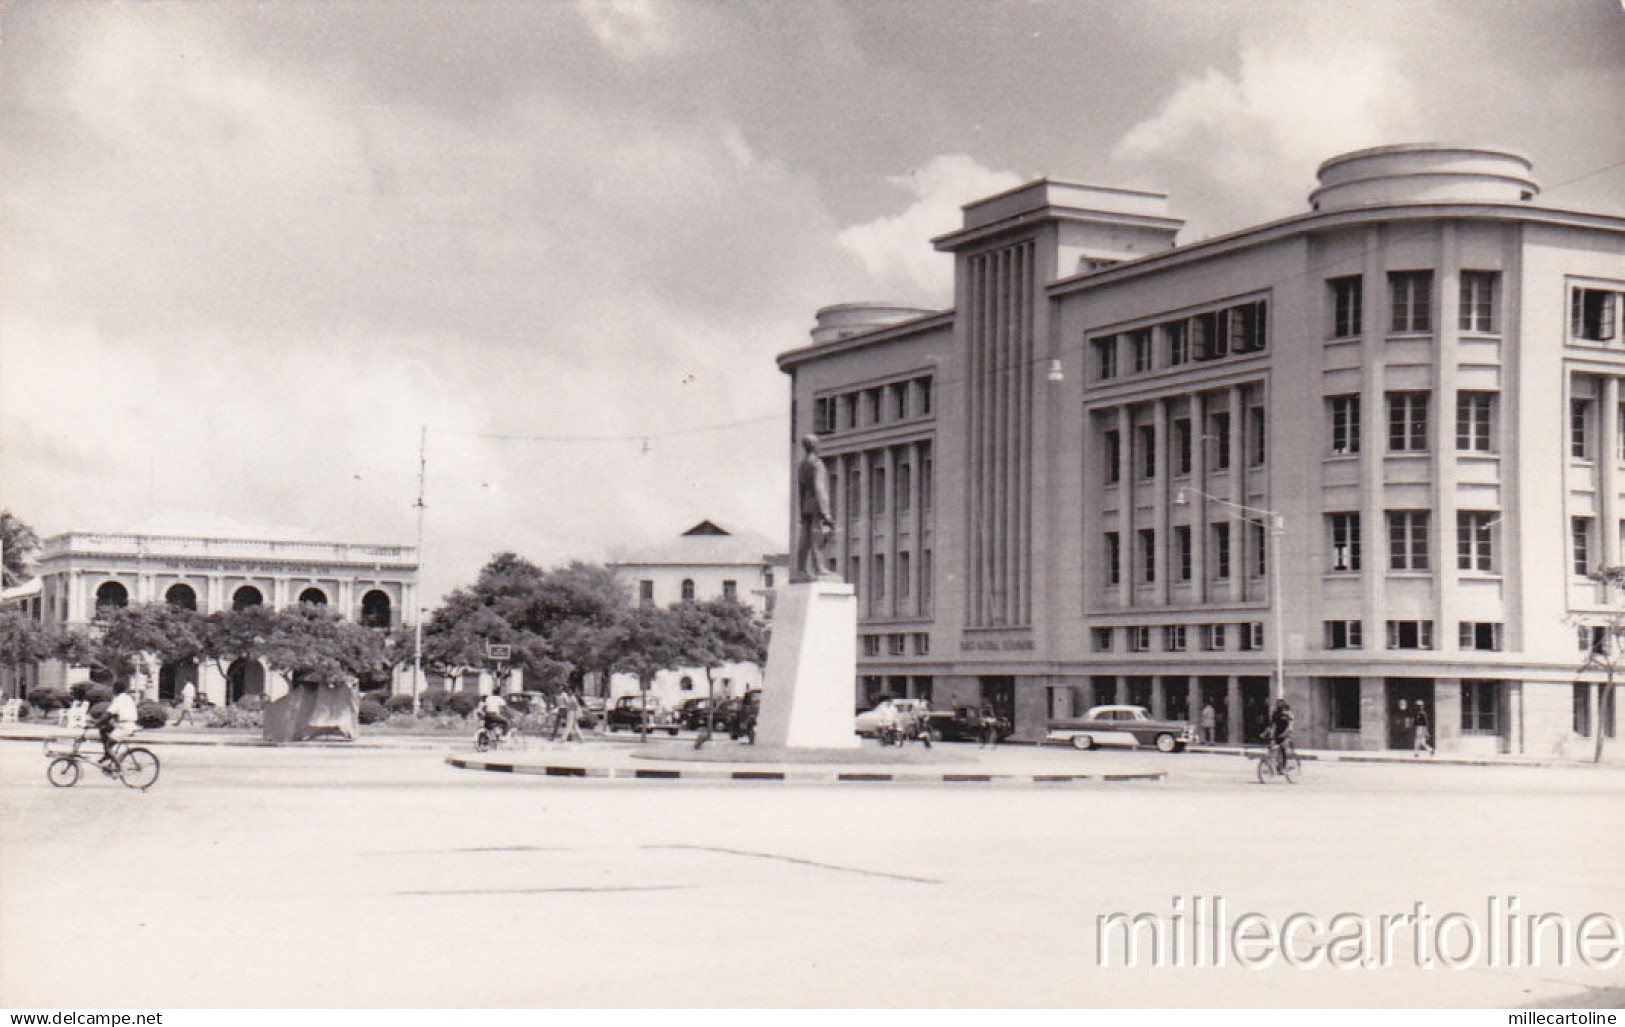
[[643, 698], [1601, 706]]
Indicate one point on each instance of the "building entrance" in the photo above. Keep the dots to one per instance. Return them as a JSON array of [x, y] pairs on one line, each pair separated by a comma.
[[1001, 693], [173, 679], [1405, 697], [1255, 708], [1216, 693]]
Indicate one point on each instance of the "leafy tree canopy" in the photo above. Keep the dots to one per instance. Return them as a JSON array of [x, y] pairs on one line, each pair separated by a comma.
[[19, 542]]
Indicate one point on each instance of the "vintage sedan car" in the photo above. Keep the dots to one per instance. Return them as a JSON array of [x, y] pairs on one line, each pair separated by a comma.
[[629, 713], [1131, 726], [867, 723], [965, 724]]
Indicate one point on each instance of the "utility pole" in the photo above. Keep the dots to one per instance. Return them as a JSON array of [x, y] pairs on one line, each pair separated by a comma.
[[417, 615]]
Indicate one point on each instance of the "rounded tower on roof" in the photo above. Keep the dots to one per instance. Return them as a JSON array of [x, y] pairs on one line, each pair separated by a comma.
[[1422, 173]]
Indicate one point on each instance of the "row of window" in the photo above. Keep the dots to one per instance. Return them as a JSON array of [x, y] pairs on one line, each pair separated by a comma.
[[730, 590], [901, 581], [1412, 634], [897, 644], [878, 404], [1408, 421], [1219, 553], [897, 494], [374, 612], [1207, 336], [1217, 437], [1480, 705], [1213, 638], [1408, 540], [1410, 303]]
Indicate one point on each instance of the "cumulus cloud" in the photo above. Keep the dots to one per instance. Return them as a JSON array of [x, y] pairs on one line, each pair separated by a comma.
[[1227, 137], [896, 249], [632, 30]]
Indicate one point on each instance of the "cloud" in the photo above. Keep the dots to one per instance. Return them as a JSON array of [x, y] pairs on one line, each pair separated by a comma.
[[632, 30], [1226, 139], [896, 249]]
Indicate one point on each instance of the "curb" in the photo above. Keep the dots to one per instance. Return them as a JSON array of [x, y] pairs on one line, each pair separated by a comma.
[[818, 776]]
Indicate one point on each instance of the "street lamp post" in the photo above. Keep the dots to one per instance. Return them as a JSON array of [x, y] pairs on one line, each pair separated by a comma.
[[1277, 527]]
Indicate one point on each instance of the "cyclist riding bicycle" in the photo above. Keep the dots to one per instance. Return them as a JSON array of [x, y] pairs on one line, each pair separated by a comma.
[[495, 713], [116, 722], [1279, 732]]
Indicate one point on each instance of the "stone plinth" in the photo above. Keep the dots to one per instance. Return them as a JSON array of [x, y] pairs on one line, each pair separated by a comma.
[[809, 688]]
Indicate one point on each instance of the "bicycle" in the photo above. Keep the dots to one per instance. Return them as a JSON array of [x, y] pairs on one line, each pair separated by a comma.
[[1279, 761], [487, 740], [135, 766]]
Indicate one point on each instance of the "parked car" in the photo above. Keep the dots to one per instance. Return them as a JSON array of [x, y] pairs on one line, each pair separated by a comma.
[[693, 712], [1132, 726], [867, 722], [526, 702], [630, 713], [965, 724]]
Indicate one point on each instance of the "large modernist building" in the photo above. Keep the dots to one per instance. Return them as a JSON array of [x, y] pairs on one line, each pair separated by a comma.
[[1378, 443], [213, 566]]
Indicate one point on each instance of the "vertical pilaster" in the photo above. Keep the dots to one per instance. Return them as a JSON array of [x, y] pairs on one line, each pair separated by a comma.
[[1129, 547], [1238, 493], [1159, 491], [1234, 732], [1373, 433], [1608, 470], [1446, 334], [1197, 504]]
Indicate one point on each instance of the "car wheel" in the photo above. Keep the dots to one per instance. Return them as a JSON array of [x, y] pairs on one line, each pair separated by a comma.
[[1083, 742], [671, 731], [1167, 743]]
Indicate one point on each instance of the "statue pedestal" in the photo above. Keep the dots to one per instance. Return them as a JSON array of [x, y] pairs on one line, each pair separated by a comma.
[[810, 687]]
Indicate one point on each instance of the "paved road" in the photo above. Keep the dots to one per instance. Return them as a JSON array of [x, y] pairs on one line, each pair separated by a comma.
[[281, 877]]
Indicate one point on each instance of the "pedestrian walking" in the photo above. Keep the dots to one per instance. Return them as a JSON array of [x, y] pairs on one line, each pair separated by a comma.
[[1424, 739], [1210, 723], [572, 718], [188, 704], [990, 727]]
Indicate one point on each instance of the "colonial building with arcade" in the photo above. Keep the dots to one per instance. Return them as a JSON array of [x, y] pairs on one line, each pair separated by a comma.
[[211, 566], [1368, 456]]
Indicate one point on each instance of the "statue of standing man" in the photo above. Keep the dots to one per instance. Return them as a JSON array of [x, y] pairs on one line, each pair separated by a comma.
[[812, 503]]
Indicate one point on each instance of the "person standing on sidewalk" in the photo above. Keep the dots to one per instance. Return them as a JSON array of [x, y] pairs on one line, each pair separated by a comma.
[[1210, 723], [1424, 741], [990, 727]]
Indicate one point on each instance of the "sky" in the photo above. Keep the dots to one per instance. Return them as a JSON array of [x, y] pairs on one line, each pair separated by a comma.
[[253, 252]]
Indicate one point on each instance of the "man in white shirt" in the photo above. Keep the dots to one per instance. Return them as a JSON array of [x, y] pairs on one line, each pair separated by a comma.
[[495, 711], [117, 722]]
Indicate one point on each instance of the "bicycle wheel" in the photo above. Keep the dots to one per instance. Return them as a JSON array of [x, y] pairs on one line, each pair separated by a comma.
[[482, 740], [138, 768], [1292, 769], [1266, 770], [63, 772]]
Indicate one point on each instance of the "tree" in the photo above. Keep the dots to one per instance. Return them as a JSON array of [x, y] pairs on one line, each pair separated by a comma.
[[124, 639], [313, 645], [717, 632], [24, 640], [17, 545], [646, 641], [1605, 656], [233, 635]]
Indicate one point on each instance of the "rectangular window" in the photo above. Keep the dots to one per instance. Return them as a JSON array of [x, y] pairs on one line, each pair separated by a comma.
[[1478, 707], [1345, 423], [1247, 327], [1106, 357], [878, 501], [854, 575], [730, 590], [1219, 429], [1592, 314], [1221, 550], [873, 397], [1345, 696], [905, 486], [1139, 639], [1140, 341], [1579, 429], [1478, 289], [1114, 459], [1258, 436], [849, 404], [926, 485], [835, 495], [871, 645], [904, 583], [1411, 294], [1407, 422], [922, 643], [1482, 635], [1593, 638], [925, 395], [1346, 299], [1173, 638], [1213, 637], [1580, 528], [1148, 451], [1114, 555], [1182, 543], [1101, 639], [1182, 442], [854, 494], [824, 415], [1205, 344], [646, 592], [1148, 554], [1582, 709], [1252, 636], [896, 645], [899, 401], [1179, 342], [1474, 543], [1474, 422], [1344, 529], [1407, 540], [878, 582], [1343, 634], [925, 579], [1410, 634]]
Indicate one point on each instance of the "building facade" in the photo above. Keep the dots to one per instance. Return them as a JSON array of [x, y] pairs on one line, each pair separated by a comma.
[[1377, 445], [213, 567], [705, 562]]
